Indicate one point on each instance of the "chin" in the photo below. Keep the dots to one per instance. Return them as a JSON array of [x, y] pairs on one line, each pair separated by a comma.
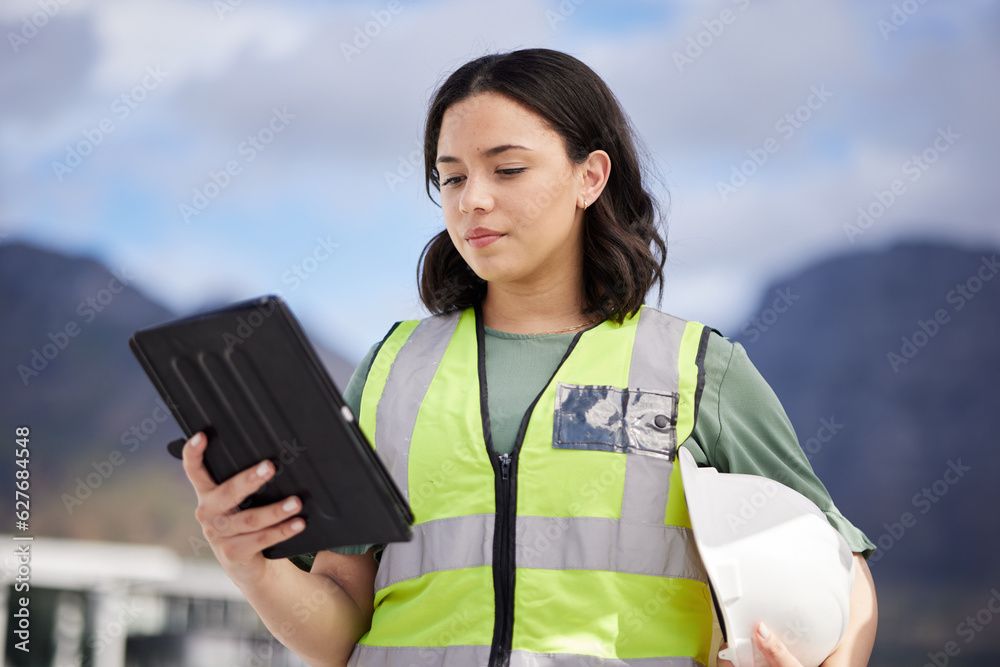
[[493, 274]]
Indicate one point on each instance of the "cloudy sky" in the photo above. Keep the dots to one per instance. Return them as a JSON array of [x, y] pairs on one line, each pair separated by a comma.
[[211, 148]]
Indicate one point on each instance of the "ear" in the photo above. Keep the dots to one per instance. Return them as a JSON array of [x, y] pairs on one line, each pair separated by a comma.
[[593, 174]]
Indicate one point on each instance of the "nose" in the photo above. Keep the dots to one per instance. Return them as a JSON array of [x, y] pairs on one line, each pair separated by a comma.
[[476, 195]]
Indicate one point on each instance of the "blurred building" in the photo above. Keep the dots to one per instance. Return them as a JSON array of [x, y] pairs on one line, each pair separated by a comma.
[[103, 604]]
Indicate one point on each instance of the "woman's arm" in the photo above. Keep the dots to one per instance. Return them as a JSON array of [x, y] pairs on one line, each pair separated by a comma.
[[860, 638], [321, 614], [856, 647]]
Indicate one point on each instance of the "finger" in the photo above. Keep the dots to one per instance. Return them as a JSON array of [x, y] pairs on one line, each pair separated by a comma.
[[262, 539], [228, 495], [252, 520], [773, 649], [192, 458]]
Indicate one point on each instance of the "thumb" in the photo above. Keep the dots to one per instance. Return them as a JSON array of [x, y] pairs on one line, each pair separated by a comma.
[[773, 649]]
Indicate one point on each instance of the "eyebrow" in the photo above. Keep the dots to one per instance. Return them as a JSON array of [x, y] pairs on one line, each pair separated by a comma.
[[489, 152]]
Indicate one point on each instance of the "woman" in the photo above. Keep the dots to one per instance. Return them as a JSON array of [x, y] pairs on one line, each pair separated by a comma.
[[533, 419]]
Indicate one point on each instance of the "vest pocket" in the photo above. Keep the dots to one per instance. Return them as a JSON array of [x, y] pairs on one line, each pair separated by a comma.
[[611, 419]]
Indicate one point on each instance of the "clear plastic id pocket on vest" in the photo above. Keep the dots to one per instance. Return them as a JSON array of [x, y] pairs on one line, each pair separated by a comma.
[[611, 419]]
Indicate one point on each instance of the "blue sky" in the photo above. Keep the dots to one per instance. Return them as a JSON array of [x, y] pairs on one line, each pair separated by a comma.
[[196, 84]]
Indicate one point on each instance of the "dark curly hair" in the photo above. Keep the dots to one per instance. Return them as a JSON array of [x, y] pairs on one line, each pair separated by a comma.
[[623, 250]]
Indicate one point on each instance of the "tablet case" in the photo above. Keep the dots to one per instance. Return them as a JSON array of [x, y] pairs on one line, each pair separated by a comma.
[[249, 378]]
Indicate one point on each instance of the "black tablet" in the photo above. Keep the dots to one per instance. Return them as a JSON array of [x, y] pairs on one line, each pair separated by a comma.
[[248, 377]]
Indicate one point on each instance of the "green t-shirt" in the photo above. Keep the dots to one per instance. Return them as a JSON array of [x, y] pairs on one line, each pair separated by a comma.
[[740, 427]]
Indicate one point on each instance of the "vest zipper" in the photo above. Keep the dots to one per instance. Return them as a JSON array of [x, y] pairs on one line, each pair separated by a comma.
[[505, 582], [505, 471], [504, 466]]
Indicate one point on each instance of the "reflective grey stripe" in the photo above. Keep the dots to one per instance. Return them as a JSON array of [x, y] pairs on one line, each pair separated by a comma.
[[655, 352], [647, 482], [419, 656], [478, 656], [549, 543], [528, 659], [442, 544], [598, 543], [405, 387]]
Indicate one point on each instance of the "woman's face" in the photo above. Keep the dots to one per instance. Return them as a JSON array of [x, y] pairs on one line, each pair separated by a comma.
[[512, 200]]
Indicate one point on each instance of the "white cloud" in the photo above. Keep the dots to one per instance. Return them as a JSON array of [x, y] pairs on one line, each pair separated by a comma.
[[191, 38]]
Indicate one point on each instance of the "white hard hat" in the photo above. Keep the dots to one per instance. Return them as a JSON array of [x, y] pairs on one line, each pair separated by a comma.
[[772, 556]]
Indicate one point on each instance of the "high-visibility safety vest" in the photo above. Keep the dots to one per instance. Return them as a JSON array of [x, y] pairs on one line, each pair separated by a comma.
[[576, 548]]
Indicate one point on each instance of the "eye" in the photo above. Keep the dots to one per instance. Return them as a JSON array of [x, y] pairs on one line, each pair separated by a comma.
[[506, 172]]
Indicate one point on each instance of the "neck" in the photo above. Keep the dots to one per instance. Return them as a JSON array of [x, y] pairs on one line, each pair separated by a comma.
[[541, 308]]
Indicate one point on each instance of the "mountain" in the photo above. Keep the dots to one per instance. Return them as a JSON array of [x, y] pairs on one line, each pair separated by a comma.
[[887, 364], [70, 376]]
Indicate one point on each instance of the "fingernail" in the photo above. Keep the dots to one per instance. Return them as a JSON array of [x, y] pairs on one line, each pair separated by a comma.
[[298, 524], [263, 469], [763, 631], [196, 440], [289, 505]]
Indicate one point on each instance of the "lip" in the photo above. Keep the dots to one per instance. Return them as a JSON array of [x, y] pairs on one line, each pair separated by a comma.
[[480, 237], [479, 232]]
